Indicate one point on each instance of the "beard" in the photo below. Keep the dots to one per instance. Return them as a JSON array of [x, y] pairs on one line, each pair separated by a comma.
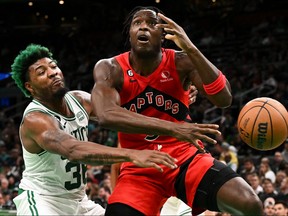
[[61, 92], [147, 52]]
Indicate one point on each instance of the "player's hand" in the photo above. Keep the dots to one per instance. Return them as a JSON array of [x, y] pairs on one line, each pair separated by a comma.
[[194, 132], [175, 33], [192, 94], [152, 158]]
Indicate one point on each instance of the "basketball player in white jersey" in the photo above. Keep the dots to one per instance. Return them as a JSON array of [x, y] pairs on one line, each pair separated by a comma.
[[53, 134]]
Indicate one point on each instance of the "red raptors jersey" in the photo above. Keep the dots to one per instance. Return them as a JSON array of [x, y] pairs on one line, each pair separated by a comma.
[[160, 95]]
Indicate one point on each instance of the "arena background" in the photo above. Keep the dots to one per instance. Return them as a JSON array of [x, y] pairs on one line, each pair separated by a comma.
[[246, 39]]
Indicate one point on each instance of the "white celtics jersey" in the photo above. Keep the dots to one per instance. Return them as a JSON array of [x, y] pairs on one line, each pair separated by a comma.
[[51, 174]]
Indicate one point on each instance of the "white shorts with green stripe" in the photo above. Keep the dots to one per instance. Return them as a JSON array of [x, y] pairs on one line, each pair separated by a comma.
[[30, 203], [174, 206]]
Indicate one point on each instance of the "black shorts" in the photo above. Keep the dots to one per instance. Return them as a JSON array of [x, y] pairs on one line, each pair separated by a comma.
[[206, 194]]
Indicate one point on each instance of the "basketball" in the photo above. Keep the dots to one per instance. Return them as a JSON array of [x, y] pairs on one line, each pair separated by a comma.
[[263, 123]]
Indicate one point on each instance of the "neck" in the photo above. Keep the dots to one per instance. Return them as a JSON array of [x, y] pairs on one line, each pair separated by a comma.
[[57, 105], [145, 64]]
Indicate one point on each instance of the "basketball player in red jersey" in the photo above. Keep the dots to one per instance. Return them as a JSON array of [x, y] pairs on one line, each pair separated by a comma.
[[144, 96]]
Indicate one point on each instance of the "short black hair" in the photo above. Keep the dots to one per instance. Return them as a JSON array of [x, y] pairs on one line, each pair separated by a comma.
[[281, 202]]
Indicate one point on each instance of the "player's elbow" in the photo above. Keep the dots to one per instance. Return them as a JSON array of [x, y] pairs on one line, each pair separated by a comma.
[[225, 102], [221, 101]]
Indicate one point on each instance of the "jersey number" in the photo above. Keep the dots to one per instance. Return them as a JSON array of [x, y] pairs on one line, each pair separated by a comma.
[[79, 175]]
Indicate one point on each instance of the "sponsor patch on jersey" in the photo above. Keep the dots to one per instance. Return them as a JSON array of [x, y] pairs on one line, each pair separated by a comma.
[[166, 76], [80, 115]]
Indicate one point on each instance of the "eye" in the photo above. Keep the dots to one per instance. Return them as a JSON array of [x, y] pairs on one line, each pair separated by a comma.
[[53, 65], [153, 23], [136, 23], [40, 72]]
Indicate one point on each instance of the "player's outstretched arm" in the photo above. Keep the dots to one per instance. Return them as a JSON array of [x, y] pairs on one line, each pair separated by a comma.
[[40, 132], [106, 106]]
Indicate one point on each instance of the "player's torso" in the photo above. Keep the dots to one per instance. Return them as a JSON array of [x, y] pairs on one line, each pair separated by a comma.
[[51, 174], [159, 95]]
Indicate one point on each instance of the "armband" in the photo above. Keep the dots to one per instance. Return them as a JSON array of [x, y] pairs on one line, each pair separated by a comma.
[[216, 86]]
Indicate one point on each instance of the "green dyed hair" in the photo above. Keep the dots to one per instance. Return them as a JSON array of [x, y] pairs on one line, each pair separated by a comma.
[[24, 60]]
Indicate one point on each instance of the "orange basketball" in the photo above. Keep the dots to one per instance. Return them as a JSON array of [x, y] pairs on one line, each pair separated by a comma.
[[263, 123]]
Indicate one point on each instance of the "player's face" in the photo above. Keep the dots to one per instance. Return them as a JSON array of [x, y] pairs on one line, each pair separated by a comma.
[[46, 79], [144, 35]]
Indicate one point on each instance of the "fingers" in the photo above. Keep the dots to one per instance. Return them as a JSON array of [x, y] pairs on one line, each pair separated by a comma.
[[154, 165], [166, 19], [212, 126], [165, 159], [192, 94], [152, 158], [169, 26], [196, 144], [193, 90], [206, 139], [200, 130], [192, 99]]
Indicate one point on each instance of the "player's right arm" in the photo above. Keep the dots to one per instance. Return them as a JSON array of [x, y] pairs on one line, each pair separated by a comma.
[[108, 78], [40, 131]]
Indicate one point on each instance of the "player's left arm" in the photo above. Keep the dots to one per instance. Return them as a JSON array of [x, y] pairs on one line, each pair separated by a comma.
[[196, 66]]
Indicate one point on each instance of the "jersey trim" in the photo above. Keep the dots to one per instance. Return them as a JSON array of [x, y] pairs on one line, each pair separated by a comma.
[[32, 203], [78, 104], [54, 113], [42, 153]]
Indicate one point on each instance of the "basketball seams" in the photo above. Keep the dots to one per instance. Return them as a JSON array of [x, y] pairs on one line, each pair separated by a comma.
[[280, 114], [247, 111], [266, 120], [278, 103], [272, 131], [255, 120]]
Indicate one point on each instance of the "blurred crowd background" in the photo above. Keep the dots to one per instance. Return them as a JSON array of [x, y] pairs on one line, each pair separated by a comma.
[[247, 40]]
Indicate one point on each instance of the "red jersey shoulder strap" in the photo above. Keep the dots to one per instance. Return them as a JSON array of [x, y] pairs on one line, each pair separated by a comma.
[[123, 60]]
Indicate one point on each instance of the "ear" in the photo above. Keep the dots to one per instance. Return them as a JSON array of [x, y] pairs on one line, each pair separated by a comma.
[[29, 87]]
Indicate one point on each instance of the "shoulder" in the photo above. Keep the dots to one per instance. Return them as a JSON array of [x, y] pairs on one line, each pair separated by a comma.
[[80, 95], [108, 72], [33, 127], [106, 63], [106, 68], [84, 98], [37, 120]]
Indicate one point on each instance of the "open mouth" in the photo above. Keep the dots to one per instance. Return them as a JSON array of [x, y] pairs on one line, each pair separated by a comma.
[[143, 38]]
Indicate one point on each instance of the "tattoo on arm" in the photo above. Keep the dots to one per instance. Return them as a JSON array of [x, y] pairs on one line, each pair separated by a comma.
[[104, 159]]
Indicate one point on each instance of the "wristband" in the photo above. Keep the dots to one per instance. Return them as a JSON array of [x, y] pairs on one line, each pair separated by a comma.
[[216, 86]]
